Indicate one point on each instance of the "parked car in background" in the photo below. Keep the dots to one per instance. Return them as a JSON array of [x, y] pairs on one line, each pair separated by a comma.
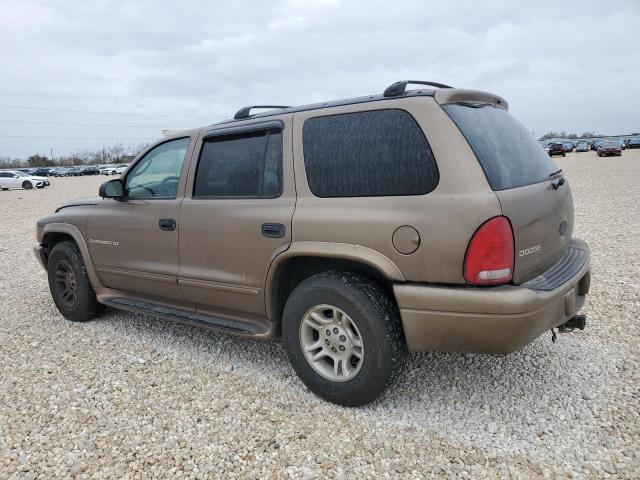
[[18, 179], [59, 172], [89, 170], [114, 170], [555, 148], [72, 172], [582, 147], [40, 172], [608, 149], [596, 144], [633, 143], [568, 146]]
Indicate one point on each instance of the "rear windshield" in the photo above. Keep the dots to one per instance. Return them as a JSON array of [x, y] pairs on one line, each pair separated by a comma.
[[508, 153]]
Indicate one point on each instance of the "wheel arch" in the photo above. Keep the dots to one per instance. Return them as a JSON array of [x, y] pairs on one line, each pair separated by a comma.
[[55, 233], [304, 259]]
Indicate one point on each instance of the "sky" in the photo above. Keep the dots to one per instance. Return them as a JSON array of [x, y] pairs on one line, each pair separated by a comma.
[[78, 76]]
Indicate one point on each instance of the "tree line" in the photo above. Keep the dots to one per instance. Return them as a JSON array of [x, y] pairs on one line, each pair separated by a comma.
[[549, 135], [107, 155]]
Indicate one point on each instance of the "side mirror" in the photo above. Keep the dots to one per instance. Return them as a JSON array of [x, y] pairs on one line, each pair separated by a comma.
[[112, 189]]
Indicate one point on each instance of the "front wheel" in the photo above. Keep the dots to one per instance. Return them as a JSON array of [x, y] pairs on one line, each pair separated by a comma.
[[27, 185], [343, 336], [69, 284]]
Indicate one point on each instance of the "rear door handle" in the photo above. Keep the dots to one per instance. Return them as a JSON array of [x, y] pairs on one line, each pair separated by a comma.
[[273, 230], [167, 224]]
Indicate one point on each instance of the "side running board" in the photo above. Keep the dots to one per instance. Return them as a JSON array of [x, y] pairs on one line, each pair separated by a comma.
[[183, 316]]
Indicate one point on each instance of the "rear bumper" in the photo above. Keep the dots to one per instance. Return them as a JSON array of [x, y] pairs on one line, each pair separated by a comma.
[[489, 320]]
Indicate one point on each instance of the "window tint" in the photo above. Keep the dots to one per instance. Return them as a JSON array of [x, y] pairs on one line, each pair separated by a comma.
[[158, 173], [364, 154], [242, 165], [508, 153]]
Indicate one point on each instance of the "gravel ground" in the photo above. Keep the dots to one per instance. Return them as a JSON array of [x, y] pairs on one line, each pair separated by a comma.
[[130, 396]]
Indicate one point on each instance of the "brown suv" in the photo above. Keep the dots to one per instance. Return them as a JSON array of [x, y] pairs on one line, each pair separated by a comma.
[[357, 230]]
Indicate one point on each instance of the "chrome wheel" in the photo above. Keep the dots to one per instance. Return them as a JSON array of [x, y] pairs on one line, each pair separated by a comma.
[[331, 343], [66, 284]]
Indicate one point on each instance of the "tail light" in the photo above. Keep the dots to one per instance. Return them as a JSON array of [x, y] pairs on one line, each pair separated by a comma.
[[489, 258]]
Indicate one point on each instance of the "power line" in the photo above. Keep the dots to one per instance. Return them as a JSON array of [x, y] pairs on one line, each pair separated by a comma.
[[47, 146], [83, 124], [25, 107], [78, 138]]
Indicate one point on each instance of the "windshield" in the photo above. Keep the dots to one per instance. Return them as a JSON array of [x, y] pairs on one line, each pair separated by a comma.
[[22, 174], [508, 153]]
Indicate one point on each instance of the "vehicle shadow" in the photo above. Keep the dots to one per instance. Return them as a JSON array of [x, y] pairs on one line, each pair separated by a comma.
[[509, 402]]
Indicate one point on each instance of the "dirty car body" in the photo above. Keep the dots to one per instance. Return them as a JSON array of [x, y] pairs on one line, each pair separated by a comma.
[[436, 198]]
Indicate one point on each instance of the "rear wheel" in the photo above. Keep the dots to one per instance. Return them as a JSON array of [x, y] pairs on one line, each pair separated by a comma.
[[343, 337], [27, 185], [69, 284]]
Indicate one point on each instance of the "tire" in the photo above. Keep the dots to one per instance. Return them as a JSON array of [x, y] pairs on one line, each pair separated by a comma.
[[373, 322], [27, 185], [564, 154], [67, 273]]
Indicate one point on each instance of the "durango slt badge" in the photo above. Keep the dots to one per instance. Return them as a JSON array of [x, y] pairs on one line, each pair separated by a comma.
[[529, 251], [105, 242]]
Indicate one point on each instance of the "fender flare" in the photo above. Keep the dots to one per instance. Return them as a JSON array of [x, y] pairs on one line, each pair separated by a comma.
[[341, 251], [74, 233]]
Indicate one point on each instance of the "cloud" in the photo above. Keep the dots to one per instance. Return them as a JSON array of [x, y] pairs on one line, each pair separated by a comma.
[[561, 66]]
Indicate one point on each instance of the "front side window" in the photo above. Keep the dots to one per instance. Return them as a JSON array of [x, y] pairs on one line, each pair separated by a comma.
[[158, 173], [365, 154], [247, 165]]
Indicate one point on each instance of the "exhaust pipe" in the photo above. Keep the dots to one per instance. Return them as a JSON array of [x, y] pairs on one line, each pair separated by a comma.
[[577, 321]]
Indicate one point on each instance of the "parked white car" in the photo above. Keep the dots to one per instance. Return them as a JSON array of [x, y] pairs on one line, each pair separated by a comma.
[[114, 170], [17, 179]]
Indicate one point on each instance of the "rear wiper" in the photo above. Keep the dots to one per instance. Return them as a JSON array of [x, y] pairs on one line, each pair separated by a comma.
[[553, 174]]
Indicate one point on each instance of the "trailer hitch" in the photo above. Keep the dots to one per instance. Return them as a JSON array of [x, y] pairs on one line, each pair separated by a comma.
[[577, 321]]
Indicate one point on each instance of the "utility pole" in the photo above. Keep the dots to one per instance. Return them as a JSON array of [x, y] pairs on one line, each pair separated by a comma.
[[51, 150]]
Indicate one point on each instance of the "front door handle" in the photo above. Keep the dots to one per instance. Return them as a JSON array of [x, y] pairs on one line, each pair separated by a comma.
[[167, 224], [273, 230]]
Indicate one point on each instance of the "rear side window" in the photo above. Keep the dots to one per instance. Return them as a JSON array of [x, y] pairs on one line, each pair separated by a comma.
[[364, 154], [508, 153], [247, 165]]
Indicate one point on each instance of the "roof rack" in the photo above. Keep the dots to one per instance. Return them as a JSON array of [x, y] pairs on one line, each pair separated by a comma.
[[400, 88], [245, 112]]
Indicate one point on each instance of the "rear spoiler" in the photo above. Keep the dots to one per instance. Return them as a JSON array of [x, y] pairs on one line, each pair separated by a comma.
[[458, 95]]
